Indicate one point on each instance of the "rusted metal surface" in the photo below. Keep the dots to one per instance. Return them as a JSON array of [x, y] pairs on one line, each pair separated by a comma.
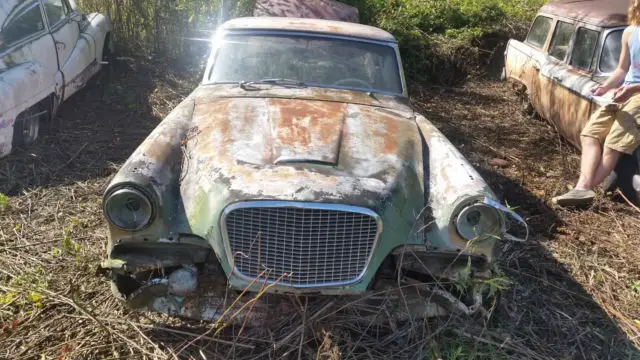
[[559, 92], [605, 13], [317, 9], [225, 145], [310, 25]]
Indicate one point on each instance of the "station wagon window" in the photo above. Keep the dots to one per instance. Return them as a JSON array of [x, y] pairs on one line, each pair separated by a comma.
[[26, 22], [56, 10], [611, 52], [584, 48], [561, 39], [539, 31]]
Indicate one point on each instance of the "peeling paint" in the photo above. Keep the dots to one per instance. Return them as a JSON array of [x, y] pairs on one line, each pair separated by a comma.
[[331, 147]]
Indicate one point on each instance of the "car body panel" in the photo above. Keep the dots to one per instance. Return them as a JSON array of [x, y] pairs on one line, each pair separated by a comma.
[[227, 146], [319, 9], [30, 71], [559, 92], [320, 26], [602, 13]]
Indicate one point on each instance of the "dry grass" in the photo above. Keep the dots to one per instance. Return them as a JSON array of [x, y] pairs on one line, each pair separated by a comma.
[[571, 294]]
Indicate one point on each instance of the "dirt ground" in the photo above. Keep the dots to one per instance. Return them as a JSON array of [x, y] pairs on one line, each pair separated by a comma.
[[574, 287]]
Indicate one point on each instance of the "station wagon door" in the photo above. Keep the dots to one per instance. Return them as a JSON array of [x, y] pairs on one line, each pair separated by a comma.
[[76, 51], [566, 79], [523, 60]]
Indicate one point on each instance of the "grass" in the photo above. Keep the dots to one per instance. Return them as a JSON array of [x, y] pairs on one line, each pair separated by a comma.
[[568, 293], [571, 292]]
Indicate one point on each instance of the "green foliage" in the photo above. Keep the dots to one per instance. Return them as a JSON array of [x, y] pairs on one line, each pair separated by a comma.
[[4, 202], [166, 27], [438, 38]]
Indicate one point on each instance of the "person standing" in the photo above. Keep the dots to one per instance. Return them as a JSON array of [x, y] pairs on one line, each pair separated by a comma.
[[614, 129]]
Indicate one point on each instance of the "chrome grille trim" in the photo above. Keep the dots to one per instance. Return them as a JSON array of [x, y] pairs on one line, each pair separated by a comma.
[[359, 271]]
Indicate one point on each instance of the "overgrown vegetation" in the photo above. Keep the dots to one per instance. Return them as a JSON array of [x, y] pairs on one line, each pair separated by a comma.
[[569, 293], [442, 41]]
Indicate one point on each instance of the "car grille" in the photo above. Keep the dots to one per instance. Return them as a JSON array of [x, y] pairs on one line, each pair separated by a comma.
[[314, 244]]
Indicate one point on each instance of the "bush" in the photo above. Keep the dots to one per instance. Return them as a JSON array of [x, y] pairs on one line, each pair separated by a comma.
[[443, 40]]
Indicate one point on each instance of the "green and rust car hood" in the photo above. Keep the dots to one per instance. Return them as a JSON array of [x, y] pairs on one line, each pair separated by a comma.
[[297, 150], [306, 150]]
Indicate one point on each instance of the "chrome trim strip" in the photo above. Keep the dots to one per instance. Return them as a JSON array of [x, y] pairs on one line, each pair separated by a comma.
[[298, 205]]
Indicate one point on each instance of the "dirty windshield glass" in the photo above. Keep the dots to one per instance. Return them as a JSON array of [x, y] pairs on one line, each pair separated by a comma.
[[311, 60]]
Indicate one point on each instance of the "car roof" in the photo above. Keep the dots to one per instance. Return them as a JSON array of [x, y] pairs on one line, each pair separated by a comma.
[[321, 26], [604, 13]]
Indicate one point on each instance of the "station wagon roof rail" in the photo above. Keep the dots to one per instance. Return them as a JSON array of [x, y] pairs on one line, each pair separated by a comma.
[[606, 13], [329, 27]]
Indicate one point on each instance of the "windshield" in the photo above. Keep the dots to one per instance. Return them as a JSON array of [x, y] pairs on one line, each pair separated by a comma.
[[310, 60]]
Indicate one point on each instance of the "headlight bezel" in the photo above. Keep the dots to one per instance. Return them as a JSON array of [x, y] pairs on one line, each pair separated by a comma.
[[470, 232], [129, 190]]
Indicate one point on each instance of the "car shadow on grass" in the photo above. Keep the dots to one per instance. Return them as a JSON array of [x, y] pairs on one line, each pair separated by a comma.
[[545, 309], [96, 129]]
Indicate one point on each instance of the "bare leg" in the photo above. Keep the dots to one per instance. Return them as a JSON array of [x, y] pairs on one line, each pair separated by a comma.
[[589, 162], [610, 158]]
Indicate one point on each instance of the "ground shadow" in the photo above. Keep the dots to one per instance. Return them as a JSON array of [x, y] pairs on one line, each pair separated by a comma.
[[545, 308], [95, 130]]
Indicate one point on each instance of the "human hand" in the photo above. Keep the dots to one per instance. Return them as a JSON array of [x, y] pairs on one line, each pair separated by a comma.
[[622, 94], [599, 90]]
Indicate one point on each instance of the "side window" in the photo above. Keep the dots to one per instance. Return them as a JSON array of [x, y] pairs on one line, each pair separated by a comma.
[[56, 10], [539, 31], [561, 39], [23, 23], [584, 48], [611, 52]]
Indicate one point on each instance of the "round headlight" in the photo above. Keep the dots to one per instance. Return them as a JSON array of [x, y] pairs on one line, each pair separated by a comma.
[[128, 209], [478, 221]]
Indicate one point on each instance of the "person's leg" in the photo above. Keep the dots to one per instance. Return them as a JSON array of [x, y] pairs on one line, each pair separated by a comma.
[[624, 137], [589, 162], [610, 158], [592, 138]]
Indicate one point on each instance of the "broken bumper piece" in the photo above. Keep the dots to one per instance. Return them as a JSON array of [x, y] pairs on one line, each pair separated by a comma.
[[200, 292]]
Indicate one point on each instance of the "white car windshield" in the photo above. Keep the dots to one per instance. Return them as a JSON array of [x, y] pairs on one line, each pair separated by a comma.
[[308, 60]]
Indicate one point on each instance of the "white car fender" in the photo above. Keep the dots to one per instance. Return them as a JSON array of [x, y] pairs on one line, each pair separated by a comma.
[[18, 91], [98, 28]]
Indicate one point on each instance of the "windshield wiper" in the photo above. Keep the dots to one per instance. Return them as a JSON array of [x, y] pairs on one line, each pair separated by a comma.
[[247, 85]]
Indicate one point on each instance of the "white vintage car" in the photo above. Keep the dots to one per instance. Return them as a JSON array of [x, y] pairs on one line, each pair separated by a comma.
[[48, 51]]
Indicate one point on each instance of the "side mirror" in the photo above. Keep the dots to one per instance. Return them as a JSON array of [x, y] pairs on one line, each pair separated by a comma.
[[77, 17]]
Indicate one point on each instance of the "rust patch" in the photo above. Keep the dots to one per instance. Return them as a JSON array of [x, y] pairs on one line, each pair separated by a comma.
[[306, 130], [318, 9]]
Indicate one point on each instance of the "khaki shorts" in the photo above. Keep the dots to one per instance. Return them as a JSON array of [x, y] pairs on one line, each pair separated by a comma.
[[617, 126]]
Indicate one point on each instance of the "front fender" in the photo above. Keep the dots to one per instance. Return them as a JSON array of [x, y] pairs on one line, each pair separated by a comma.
[[453, 184], [154, 167], [19, 90], [98, 27]]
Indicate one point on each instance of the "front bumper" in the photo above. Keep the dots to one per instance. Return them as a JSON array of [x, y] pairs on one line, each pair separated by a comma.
[[187, 281]]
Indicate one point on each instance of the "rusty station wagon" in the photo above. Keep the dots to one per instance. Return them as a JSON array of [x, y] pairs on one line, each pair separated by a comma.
[[572, 46], [297, 166]]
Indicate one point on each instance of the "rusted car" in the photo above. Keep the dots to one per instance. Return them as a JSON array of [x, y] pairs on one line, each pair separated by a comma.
[[571, 47], [48, 51], [298, 166], [318, 9]]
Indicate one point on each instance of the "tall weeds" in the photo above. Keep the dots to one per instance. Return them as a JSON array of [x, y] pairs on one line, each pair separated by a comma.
[[173, 28]]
